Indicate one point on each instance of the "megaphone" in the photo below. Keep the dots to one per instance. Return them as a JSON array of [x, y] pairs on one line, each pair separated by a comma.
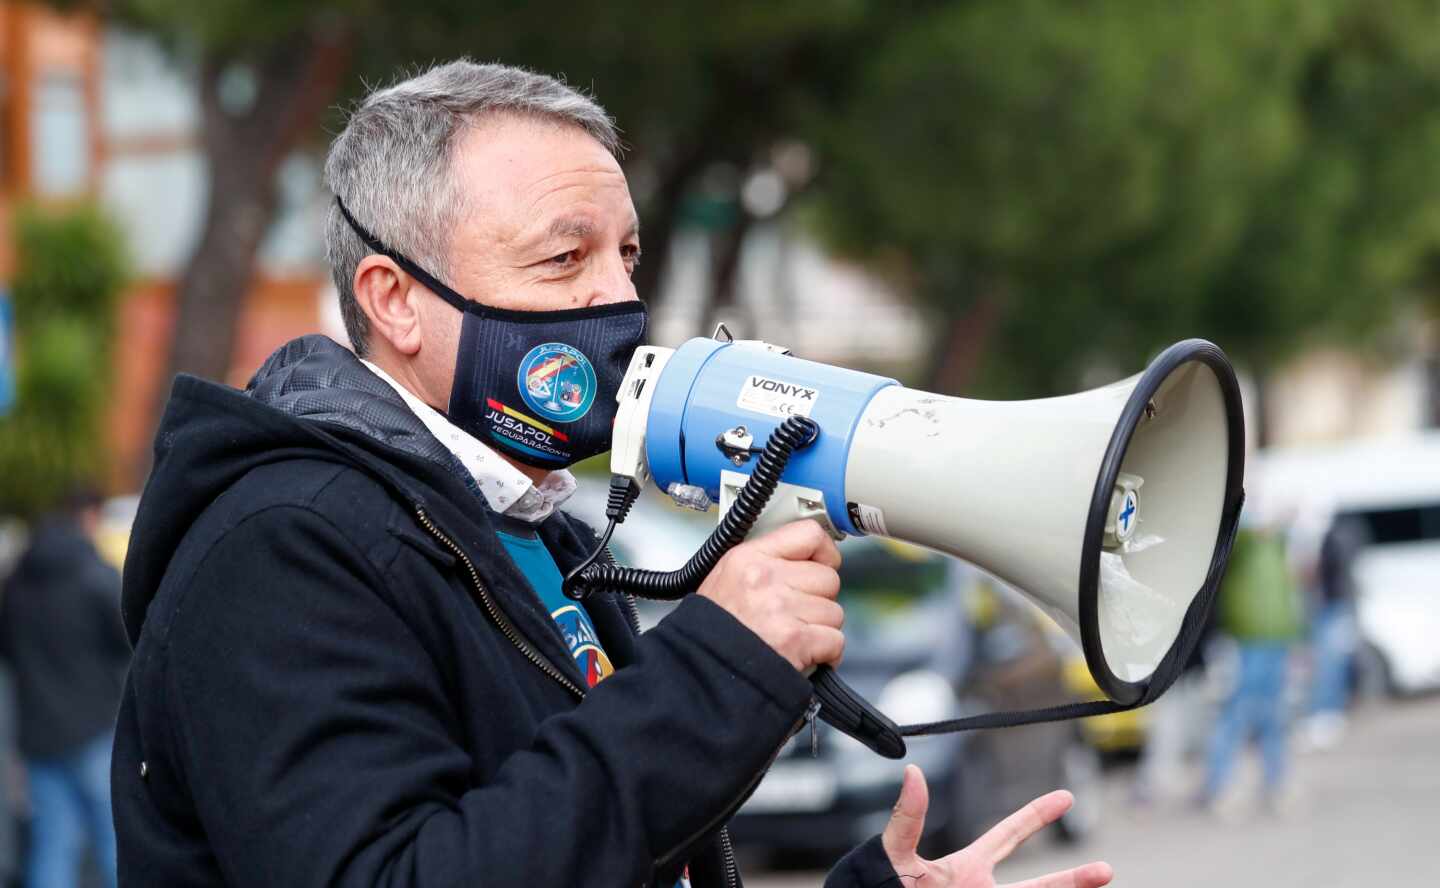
[[1111, 509]]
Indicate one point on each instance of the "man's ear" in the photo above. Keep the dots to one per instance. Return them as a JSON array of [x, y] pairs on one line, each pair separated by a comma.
[[390, 299]]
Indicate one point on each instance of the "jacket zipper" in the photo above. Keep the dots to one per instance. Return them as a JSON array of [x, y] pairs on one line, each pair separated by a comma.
[[487, 603], [732, 869]]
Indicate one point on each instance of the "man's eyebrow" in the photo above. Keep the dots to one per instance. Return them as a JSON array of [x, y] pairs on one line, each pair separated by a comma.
[[581, 227], [577, 227]]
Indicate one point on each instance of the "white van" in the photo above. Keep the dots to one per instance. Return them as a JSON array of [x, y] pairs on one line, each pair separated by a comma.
[[1393, 486]]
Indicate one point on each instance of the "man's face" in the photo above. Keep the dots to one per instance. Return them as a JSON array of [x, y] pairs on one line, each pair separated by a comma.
[[550, 226]]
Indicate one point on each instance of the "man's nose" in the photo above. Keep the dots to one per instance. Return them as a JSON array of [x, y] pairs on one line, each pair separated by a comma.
[[611, 282]]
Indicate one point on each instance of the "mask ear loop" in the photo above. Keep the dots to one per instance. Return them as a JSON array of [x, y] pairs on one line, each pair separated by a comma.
[[378, 246]]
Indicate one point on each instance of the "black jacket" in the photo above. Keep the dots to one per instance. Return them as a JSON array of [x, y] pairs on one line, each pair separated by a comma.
[[60, 632], [340, 678]]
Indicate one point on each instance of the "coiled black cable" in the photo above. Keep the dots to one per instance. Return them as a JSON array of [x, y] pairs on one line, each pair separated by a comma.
[[588, 577]]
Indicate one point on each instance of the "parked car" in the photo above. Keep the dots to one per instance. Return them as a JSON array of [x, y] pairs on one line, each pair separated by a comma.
[[1392, 488], [1398, 575]]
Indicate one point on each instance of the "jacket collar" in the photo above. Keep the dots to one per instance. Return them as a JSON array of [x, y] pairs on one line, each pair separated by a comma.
[[353, 410], [506, 489]]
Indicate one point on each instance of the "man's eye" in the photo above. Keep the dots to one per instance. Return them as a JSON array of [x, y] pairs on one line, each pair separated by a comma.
[[564, 259], [631, 256]]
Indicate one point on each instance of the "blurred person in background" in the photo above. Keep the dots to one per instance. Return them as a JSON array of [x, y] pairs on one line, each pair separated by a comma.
[[1260, 609], [60, 632], [1334, 633], [12, 773], [1171, 727], [12, 776], [355, 663]]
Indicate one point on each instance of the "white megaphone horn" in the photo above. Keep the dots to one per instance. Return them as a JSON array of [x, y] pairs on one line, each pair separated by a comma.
[[1112, 509]]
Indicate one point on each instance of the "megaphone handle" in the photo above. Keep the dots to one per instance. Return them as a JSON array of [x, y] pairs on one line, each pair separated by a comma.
[[846, 711]]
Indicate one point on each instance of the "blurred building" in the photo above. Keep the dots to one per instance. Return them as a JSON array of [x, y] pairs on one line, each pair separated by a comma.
[[1329, 395], [790, 292], [47, 79], [99, 113]]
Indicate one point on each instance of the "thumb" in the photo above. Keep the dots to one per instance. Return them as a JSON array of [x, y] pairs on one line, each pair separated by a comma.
[[907, 821]]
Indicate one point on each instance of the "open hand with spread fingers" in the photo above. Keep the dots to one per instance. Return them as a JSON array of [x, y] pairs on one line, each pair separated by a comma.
[[974, 865]]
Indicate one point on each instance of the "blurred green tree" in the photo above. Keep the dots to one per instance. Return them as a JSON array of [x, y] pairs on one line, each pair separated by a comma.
[[696, 86], [71, 267], [265, 71], [1066, 185], [1072, 185]]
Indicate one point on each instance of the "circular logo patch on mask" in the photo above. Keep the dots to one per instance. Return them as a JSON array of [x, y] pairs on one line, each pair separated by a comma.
[[557, 382]]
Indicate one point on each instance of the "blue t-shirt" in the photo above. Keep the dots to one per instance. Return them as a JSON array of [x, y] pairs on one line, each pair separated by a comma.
[[534, 560]]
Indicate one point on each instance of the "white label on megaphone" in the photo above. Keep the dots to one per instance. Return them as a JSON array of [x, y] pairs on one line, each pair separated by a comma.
[[869, 519], [776, 397]]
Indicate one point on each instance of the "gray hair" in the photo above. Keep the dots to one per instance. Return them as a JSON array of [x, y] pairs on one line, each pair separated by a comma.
[[391, 164]]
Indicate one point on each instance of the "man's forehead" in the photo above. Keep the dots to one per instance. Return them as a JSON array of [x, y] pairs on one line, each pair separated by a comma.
[[522, 175]]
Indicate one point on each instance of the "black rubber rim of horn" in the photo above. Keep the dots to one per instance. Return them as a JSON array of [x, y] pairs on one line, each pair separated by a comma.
[[1115, 687]]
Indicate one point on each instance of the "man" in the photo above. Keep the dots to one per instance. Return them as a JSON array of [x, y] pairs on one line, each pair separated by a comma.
[[354, 665], [1259, 608], [60, 632], [1334, 632]]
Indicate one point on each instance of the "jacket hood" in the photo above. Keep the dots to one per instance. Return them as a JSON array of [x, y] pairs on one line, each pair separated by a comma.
[[311, 399]]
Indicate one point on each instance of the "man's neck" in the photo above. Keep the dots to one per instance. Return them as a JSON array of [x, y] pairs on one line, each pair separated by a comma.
[[536, 475], [404, 374]]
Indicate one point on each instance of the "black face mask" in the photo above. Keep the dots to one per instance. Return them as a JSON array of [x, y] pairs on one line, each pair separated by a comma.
[[538, 385]]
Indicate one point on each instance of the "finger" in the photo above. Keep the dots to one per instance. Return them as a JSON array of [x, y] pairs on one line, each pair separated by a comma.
[[1007, 835], [1091, 875], [802, 540], [907, 821], [810, 578], [824, 645], [816, 611]]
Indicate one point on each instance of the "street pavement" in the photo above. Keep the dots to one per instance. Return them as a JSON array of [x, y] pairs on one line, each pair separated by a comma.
[[1365, 813]]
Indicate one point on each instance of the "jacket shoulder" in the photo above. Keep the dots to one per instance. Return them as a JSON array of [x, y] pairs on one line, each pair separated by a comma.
[[358, 505], [354, 507]]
